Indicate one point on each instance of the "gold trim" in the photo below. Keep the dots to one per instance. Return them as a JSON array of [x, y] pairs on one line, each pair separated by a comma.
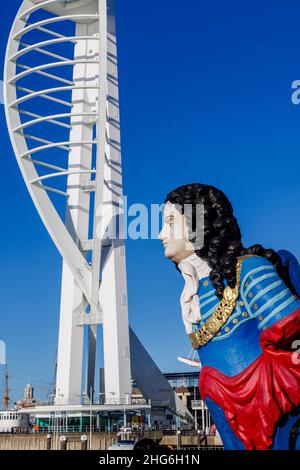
[[221, 315]]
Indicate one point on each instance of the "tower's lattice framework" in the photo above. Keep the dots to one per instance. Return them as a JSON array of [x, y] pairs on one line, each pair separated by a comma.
[[62, 109]]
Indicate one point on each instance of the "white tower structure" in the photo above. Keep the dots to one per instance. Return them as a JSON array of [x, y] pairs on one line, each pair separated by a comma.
[[28, 392], [62, 109]]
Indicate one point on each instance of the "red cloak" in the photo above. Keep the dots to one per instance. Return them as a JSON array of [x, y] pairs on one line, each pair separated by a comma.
[[255, 400]]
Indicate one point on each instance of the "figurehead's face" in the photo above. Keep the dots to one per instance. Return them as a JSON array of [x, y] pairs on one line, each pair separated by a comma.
[[175, 234]]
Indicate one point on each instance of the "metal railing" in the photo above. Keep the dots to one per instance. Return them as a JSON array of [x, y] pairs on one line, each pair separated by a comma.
[[85, 401]]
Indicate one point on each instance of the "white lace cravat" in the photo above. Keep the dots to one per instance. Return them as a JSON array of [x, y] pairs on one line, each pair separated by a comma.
[[192, 269]]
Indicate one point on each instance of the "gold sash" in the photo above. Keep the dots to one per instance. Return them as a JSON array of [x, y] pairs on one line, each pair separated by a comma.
[[222, 313]]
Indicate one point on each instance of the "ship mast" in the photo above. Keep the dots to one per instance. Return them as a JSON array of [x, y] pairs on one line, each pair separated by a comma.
[[6, 396]]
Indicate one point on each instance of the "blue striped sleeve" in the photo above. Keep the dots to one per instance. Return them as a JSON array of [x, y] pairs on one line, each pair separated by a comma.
[[264, 294]]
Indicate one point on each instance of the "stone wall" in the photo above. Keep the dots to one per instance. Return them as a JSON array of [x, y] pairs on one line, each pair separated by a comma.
[[99, 441]]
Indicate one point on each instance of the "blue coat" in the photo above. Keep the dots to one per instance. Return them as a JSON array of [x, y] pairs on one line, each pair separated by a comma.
[[264, 299]]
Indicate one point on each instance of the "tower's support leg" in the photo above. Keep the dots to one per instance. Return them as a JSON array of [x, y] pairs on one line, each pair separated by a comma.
[[113, 290], [70, 343], [116, 348], [70, 346], [92, 345]]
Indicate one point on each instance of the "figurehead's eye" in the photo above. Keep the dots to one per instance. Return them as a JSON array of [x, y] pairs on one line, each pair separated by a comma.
[[170, 221]]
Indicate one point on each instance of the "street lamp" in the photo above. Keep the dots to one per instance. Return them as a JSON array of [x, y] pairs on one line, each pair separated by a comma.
[[58, 396], [91, 416], [203, 416], [196, 417], [124, 414], [178, 439], [127, 395], [90, 398]]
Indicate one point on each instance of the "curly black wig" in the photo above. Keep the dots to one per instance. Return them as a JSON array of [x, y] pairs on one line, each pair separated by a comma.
[[222, 235]]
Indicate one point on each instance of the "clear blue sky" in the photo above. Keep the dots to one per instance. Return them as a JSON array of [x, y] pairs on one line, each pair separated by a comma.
[[205, 93]]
